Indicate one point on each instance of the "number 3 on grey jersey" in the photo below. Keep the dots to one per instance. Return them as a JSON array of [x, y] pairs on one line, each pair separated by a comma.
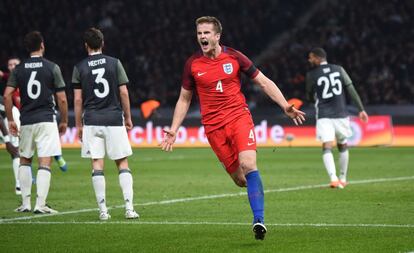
[[99, 76]]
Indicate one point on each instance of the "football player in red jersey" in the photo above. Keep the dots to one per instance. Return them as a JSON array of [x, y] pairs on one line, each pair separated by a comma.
[[11, 64], [214, 74]]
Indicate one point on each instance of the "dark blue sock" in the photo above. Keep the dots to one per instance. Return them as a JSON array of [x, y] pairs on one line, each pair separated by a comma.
[[256, 195]]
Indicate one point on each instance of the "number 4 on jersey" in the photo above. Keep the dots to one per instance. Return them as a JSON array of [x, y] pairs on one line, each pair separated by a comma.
[[219, 86]]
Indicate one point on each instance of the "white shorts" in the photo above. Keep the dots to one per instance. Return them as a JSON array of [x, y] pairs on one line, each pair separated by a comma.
[[14, 140], [112, 139], [43, 136], [328, 129]]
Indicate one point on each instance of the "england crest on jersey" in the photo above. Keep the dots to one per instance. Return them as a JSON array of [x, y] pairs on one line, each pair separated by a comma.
[[228, 68]]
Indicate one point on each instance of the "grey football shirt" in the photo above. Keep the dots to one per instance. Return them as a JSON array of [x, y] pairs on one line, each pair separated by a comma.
[[327, 83], [99, 76], [38, 79]]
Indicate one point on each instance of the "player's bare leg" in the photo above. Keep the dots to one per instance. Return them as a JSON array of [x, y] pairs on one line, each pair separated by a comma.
[[239, 178], [99, 185], [43, 184], [126, 183], [247, 160]]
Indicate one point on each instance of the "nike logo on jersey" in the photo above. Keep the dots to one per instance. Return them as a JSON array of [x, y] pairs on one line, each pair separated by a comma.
[[250, 143], [201, 73]]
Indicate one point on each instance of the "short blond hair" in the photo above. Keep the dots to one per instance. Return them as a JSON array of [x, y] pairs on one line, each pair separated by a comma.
[[210, 20]]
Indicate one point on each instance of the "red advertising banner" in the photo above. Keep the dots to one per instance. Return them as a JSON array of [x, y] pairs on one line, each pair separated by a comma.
[[377, 132], [403, 136]]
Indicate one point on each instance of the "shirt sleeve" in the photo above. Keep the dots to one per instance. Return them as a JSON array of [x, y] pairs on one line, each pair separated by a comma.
[[246, 65], [76, 83], [187, 78], [12, 81], [58, 79], [346, 77], [355, 97], [122, 76]]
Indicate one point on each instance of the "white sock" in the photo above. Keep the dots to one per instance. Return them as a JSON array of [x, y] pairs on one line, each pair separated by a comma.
[[98, 181], [43, 185], [25, 178], [125, 181], [16, 164], [343, 165], [329, 162]]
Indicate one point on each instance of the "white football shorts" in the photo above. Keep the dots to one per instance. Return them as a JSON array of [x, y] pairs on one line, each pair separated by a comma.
[[112, 139], [43, 136], [327, 129]]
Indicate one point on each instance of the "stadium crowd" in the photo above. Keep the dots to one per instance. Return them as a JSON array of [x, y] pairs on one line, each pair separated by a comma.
[[152, 39], [373, 40]]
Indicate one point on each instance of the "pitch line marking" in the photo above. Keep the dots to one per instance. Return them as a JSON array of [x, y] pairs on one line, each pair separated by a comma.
[[209, 223], [226, 195]]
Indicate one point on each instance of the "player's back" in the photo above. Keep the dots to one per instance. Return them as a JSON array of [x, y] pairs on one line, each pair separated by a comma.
[[38, 79], [99, 78], [328, 83]]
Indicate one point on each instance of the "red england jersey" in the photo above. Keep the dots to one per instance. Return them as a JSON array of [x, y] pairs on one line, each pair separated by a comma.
[[217, 83], [16, 93]]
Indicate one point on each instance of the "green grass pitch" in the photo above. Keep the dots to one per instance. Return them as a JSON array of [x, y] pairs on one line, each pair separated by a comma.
[[187, 203]]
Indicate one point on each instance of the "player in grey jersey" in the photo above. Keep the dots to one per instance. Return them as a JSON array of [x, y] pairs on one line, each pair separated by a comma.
[[102, 115], [325, 85], [39, 81]]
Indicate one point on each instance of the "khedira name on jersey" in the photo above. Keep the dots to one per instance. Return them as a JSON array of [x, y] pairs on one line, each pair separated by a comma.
[[33, 65]]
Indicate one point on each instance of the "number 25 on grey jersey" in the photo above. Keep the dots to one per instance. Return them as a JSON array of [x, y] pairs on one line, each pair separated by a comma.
[[326, 84]]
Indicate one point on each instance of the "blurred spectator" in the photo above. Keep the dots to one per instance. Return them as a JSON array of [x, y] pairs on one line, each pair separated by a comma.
[[373, 40]]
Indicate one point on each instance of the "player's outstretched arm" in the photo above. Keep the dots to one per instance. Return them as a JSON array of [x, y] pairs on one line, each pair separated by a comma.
[[270, 88], [180, 111]]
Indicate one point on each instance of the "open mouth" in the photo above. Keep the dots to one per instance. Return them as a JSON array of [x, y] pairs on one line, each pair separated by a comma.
[[204, 44]]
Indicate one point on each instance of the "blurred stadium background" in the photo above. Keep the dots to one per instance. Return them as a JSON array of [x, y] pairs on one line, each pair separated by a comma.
[[373, 40]]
